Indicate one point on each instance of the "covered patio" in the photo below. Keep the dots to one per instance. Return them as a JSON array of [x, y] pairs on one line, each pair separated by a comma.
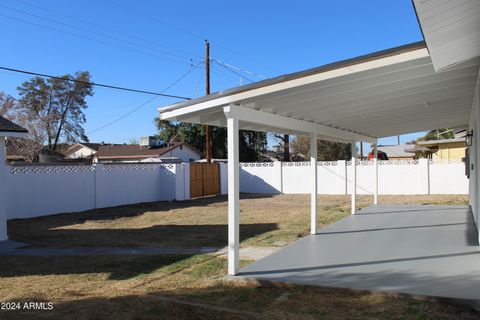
[[397, 91], [420, 250]]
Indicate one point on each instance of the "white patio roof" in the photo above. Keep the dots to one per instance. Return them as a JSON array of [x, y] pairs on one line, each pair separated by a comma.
[[387, 93]]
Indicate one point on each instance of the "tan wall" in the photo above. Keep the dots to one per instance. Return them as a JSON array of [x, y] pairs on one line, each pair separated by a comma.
[[450, 151]]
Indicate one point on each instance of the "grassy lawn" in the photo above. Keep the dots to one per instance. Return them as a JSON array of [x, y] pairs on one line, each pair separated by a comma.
[[265, 221], [185, 287], [188, 287]]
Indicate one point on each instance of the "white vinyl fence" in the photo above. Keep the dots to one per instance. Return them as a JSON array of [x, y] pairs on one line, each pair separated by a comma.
[[395, 177], [43, 190]]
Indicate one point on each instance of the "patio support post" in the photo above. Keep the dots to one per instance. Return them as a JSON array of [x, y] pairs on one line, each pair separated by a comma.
[[354, 177], [375, 163], [233, 194], [314, 170]]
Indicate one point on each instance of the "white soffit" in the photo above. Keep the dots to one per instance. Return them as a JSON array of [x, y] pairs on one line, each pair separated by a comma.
[[451, 29], [379, 95]]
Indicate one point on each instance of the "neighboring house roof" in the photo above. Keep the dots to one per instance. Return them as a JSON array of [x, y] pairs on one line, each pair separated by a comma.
[[8, 126], [136, 151], [441, 141], [396, 151]]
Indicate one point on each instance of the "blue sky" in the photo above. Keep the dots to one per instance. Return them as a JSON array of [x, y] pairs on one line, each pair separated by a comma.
[[148, 45]]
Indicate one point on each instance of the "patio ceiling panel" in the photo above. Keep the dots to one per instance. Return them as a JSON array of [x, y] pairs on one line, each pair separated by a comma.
[[451, 30], [389, 93]]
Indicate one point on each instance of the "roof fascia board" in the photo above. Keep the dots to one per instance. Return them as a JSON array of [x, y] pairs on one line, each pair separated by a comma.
[[282, 122], [171, 114], [13, 134]]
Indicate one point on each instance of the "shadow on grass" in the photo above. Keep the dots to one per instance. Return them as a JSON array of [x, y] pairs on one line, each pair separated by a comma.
[[181, 236], [117, 267], [223, 301], [53, 231]]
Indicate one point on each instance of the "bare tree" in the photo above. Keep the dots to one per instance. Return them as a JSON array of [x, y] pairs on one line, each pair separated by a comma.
[[285, 144], [30, 146], [58, 104]]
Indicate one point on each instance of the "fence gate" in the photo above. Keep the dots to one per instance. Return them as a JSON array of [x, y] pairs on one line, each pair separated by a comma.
[[204, 179]]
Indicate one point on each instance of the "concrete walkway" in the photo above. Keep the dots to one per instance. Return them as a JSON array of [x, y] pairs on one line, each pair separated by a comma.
[[416, 250], [14, 248]]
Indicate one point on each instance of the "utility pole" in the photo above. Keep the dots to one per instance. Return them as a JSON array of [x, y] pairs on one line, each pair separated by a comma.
[[208, 144]]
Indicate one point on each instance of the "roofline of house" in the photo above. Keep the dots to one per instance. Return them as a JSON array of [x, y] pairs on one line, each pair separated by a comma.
[[300, 74]]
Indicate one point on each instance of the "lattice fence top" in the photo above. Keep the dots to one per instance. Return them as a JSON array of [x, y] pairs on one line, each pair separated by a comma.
[[52, 169], [296, 164], [31, 169], [136, 166], [397, 162], [446, 161], [257, 164]]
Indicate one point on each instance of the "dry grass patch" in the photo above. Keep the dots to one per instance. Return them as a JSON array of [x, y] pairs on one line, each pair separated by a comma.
[[185, 287], [265, 221]]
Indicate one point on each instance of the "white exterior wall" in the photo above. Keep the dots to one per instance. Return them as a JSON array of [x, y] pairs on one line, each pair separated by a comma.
[[83, 152], [186, 154], [474, 150], [43, 190]]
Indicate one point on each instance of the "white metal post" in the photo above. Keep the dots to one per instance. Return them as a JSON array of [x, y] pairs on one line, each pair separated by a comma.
[[3, 191], [233, 197], [314, 170], [375, 163], [354, 177]]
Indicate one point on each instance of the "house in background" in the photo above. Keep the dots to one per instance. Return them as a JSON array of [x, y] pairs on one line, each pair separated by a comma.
[[397, 152], [82, 150], [445, 149], [177, 152]]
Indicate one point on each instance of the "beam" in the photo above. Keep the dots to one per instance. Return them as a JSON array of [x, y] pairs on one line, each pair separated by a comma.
[[375, 163], [282, 122], [313, 172], [233, 196], [354, 177]]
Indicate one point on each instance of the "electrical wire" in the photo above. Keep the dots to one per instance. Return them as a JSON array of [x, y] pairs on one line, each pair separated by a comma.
[[162, 94], [91, 39], [146, 102], [93, 32], [96, 25], [231, 70]]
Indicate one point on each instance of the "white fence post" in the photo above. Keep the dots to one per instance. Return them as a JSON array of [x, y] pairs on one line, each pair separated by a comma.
[[423, 169], [3, 191], [342, 177], [182, 181], [277, 174], [99, 185], [223, 178]]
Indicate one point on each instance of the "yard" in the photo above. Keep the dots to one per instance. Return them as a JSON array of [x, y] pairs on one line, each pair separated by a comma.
[[189, 286]]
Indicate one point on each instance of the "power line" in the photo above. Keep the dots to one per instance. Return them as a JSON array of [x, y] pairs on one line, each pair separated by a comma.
[[91, 39], [93, 32], [130, 35], [232, 70], [162, 94], [146, 102], [241, 70], [193, 34]]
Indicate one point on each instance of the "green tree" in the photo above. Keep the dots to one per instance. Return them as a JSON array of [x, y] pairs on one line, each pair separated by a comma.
[[251, 143], [326, 150], [437, 134], [58, 104]]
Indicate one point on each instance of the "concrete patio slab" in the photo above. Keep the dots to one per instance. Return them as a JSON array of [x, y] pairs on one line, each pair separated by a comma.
[[419, 250]]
